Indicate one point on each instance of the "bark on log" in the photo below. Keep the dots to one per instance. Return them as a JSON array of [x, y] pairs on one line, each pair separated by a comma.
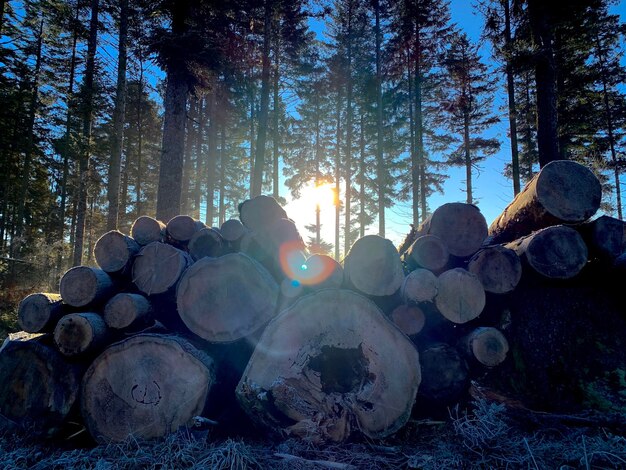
[[79, 334], [40, 312], [206, 242], [486, 345], [115, 251], [260, 211], [181, 228], [373, 266], [158, 267], [227, 298], [322, 272], [498, 268], [428, 252], [461, 296], [604, 237], [557, 252], [83, 286], [146, 230], [562, 192], [128, 311], [330, 366], [420, 285], [146, 386], [409, 318], [462, 227], [232, 230], [445, 375], [38, 387]]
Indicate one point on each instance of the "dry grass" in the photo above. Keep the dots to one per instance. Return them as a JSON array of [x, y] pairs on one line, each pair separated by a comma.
[[484, 437]]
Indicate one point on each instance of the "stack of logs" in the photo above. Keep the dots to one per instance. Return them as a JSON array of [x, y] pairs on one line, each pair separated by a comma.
[[183, 321]]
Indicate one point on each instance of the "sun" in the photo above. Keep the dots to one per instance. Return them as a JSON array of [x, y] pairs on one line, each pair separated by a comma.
[[322, 195]]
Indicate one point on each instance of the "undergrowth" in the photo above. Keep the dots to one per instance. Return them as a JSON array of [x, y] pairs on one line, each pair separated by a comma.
[[483, 437]]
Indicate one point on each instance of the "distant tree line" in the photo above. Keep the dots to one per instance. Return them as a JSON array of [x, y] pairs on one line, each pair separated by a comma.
[[112, 109]]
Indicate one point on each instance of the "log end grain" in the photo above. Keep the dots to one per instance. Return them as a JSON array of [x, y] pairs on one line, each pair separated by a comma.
[[232, 230], [39, 312], [498, 268], [114, 251], [409, 318], [206, 242], [158, 267], [82, 286], [146, 230], [428, 252], [486, 345], [181, 228], [462, 227], [461, 296], [126, 310], [419, 285], [322, 272], [80, 333], [260, 211]]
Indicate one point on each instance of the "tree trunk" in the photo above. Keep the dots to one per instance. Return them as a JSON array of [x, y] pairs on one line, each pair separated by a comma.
[[139, 140], [428, 252], [128, 312], [557, 252], [562, 192], [211, 168], [151, 384], [312, 378], [347, 239], [180, 229], [276, 115], [115, 252], [232, 230], [337, 173], [83, 286], [206, 242], [545, 78], [213, 310], [119, 113], [81, 334], [158, 267], [461, 296], [498, 268], [604, 237], [38, 387], [419, 286], [259, 158], [382, 171], [260, 212], [510, 88], [188, 165], [146, 230], [362, 178], [373, 266], [40, 312], [485, 345], [415, 174], [223, 166], [200, 160], [85, 151], [408, 318], [461, 227]]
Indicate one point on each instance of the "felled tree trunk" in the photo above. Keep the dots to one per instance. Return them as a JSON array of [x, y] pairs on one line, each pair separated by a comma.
[[146, 386], [115, 252], [146, 230], [158, 267], [40, 312], [557, 252], [128, 311], [461, 296], [373, 266], [562, 192], [330, 366], [81, 334], [38, 387], [486, 346], [604, 237], [83, 286], [445, 376], [409, 318], [232, 230], [420, 285], [228, 298], [206, 242], [322, 272], [498, 268], [181, 228], [461, 227], [428, 252], [260, 211]]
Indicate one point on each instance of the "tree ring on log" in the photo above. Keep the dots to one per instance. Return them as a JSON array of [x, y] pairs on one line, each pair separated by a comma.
[[114, 250], [461, 296], [158, 267], [330, 365]]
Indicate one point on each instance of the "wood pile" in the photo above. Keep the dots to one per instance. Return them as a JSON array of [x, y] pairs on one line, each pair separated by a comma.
[[182, 321]]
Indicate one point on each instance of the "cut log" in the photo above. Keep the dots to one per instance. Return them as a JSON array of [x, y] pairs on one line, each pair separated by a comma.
[[444, 375], [604, 237], [260, 211], [562, 192], [81, 334], [420, 285], [498, 268], [462, 227], [557, 252], [322, 272], [158, 267], [486, 345], [115, 251], [38, 387], [128, 311], [409, 318], [428, 252], [227, 298], [181, 228], [373, 266], [330, 366], [290, 291], [83, 286], [232, 230], [146, 387], [206, 242], [146, 230], [461, 296], [40, 312]]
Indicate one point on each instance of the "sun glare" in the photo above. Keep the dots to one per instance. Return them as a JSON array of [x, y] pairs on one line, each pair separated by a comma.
[[322, 195]]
